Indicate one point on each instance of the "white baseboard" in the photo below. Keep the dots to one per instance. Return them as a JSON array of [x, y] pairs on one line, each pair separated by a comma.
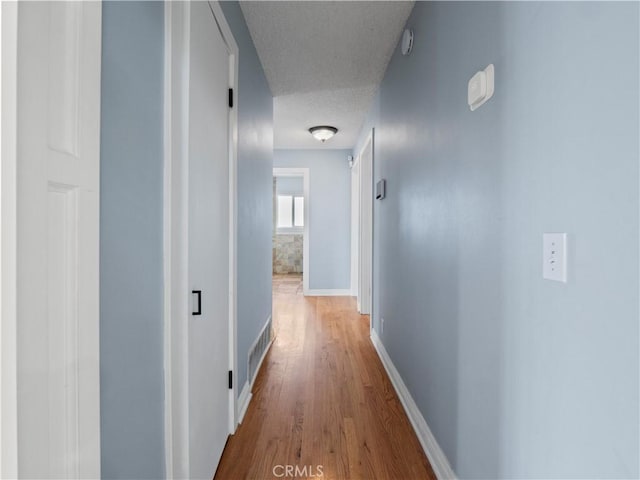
[[243, 401], [327, 292], [436, 456]]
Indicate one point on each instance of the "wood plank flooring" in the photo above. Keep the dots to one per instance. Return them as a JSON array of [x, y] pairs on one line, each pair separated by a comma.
[[322, 401]]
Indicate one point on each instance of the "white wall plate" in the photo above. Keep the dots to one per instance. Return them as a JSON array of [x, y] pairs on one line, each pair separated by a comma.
[[554, 256], [480, 87]]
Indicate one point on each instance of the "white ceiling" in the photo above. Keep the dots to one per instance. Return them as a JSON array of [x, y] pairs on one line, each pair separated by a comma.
[[323, 62]]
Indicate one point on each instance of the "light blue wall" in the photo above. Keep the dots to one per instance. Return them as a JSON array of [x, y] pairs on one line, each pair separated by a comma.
[[516, 376], [329, 214], [255, 190], [290, 185], [131, 323], [131, 228]]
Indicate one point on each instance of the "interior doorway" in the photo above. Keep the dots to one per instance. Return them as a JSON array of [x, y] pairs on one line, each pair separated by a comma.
[[291, 227], [208, 244], [362, 226], [200, 236]]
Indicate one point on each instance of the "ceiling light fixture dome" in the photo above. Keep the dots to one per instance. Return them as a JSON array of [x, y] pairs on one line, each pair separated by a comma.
[[323, 132]]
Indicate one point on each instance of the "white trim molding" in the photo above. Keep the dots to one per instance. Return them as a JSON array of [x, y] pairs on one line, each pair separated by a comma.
[[365, 229], [166, 242], [436, 456], [8, 241], [175, 243], [243, 400], [232, 46], [346, 292], [355, 226]]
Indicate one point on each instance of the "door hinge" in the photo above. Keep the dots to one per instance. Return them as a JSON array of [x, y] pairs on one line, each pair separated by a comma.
[[230, 379], [231, 98]]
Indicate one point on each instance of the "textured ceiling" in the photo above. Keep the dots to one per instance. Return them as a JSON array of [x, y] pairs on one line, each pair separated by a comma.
[[324, 62]]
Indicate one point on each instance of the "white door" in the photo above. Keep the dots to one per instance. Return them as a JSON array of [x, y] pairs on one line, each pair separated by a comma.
[[366, 226], [58, 105], [208, 243]]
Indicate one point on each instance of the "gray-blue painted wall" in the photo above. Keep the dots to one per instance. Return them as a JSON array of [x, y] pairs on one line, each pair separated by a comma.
[[132, 392], [290, 186], [255, 190], [329, 214], [131, 169], [516, 376]]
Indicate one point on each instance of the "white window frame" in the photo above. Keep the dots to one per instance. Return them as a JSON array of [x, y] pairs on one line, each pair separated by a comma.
[[294, 229]]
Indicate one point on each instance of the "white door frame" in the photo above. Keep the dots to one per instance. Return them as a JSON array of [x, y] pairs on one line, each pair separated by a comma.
[[365, 302], [355, 229], [8, 240], [175, 230], [304, 173]]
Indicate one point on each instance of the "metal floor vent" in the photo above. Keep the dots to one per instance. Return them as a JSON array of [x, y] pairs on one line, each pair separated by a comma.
[[258, 351]]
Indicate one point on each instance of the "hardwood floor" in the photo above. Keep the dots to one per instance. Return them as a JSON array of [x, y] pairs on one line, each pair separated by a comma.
[[322, 401]]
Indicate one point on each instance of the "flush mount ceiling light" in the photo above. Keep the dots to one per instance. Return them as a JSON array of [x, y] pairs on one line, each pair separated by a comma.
[[323, 132]]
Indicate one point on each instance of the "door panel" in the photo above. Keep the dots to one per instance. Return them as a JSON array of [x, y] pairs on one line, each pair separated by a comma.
[[58, 102], [208, 241]]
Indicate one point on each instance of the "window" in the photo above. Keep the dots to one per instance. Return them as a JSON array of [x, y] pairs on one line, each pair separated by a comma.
[[298, 212], [290, 217]]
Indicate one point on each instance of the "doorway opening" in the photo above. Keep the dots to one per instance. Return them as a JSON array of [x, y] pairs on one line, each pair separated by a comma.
[[201, 401], [362, 227], [290, 253]]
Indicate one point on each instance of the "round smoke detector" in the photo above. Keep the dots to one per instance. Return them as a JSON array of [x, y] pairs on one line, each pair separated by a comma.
[[407, 41]]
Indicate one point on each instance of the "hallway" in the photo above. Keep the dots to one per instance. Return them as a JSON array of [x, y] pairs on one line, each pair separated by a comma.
[[468, 171], [322, 400]]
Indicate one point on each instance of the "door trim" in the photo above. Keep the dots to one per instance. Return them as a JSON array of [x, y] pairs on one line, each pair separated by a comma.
[[175, 231], [304, 173], [366, 236], [355, 229], [8, 241]]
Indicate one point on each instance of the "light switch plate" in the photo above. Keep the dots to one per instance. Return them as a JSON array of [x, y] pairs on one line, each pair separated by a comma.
[[554, 256], [480, 87]]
